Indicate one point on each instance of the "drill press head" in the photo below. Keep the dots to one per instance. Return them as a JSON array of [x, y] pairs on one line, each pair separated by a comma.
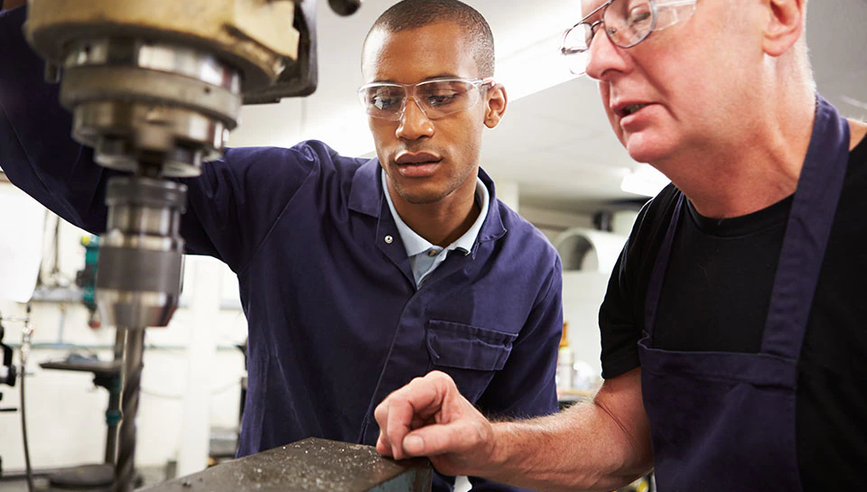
[[154, 87]]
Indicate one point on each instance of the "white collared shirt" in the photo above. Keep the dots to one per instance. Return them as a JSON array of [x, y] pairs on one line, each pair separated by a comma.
[[425, 257]]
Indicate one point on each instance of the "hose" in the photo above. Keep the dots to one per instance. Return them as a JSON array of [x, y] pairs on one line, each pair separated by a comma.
[[24, 431]]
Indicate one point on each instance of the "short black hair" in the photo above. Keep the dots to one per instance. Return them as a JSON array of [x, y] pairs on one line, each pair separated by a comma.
[[413, 14]]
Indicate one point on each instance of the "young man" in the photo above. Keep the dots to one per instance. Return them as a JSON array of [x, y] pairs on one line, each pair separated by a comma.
[[356, 275], [733, 341]]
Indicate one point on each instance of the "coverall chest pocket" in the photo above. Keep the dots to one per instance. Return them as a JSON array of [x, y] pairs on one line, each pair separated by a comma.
[[469, 354]]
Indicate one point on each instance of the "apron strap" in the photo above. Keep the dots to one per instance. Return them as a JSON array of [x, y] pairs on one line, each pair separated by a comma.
[[654, 287], [807, 232]]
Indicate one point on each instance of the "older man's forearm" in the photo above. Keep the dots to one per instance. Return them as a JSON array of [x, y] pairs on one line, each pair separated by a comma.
[[599, 445]]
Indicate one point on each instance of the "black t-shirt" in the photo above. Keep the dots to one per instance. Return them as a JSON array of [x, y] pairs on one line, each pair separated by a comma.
[[715, 297]]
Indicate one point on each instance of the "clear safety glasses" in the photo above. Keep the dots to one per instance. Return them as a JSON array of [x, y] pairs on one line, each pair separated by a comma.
[[436, 98], [625, 22]]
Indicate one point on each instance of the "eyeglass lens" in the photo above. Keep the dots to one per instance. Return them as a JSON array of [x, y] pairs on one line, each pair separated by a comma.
[[626, 23], [436, 98]]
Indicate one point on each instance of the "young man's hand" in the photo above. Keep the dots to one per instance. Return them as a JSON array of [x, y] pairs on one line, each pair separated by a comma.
[[11, 4], [429, 417]]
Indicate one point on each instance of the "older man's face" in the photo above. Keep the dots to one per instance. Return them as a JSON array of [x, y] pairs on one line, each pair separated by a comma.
[[681, 90]]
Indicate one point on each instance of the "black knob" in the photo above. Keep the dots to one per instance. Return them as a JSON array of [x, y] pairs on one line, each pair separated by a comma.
[[345, 7]]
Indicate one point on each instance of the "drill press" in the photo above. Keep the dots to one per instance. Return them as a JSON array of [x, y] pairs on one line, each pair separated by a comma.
[[154, 87]]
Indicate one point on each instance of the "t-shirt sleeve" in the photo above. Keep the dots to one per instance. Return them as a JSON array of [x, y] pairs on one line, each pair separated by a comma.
[[619, 329], [621, 316]]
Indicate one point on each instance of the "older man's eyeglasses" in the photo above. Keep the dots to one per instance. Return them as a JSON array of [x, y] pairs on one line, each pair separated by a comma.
[[625, 22], [436, 98]]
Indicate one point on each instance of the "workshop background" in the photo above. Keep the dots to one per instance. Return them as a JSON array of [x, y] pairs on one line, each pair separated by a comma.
[[554, 160]]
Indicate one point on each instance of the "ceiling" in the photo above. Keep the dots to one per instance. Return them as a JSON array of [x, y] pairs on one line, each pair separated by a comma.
[[555, 142]]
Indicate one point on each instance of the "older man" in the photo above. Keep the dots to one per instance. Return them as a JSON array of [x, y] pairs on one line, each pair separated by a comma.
[[733, 342]]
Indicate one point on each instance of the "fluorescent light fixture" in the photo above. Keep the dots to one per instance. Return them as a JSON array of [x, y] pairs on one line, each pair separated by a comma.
[[644, 180]]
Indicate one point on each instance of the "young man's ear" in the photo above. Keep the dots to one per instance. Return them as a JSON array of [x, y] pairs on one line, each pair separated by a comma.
[[497, 100], [785, 25]]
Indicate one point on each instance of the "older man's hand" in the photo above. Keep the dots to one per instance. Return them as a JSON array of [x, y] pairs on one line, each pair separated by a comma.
[[429, 417]]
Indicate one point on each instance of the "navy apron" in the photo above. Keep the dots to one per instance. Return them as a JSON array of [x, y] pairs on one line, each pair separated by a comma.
[[723, 421]]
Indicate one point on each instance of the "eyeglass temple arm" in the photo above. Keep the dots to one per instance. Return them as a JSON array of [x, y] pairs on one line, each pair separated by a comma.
[[675, 3], [672, 7]]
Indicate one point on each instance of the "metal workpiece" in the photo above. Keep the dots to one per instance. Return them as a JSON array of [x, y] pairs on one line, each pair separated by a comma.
[[140, 261], [310, 465]]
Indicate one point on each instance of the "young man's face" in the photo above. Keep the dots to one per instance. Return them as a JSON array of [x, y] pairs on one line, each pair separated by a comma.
[[427, 160], [689, 82]]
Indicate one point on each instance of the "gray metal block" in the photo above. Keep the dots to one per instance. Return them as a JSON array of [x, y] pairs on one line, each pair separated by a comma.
[[309, 465]]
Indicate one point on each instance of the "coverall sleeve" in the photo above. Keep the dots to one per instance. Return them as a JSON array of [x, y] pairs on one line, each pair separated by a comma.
[[231, 207]]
